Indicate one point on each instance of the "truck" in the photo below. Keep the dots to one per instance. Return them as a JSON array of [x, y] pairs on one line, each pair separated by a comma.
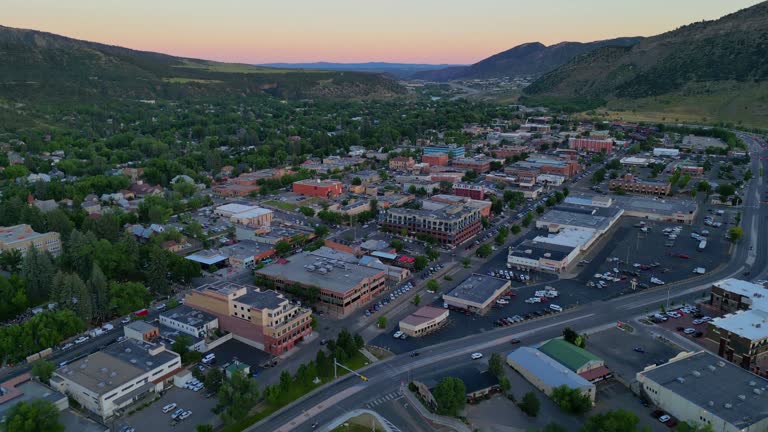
[[702, 245]]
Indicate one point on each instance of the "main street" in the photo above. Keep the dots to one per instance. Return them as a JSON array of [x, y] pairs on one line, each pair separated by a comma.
[[348, 393]]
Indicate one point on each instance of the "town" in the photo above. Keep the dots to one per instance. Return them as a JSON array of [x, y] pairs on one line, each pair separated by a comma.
[[476, 268]]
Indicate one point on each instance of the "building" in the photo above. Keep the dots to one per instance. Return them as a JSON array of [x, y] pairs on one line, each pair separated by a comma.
[[441, 201], [435, 159], [692, 142], [208, 258], [602, 201], [318, 188], [575, 216], [246, 253], [478, 165], [477, 383], [451, 225], [469, 191], [22, 237], [510, 151], [109, 381], [591, 145], [191, 321], [232, 190], [367, 177], [250, 216], [686, 167], [700, 388], [636, 161], [530, 255], [539, 164], [476, 293], [402, 163], [579, 360], [665, 210], [425, 320], [546, 374], [265, 319], [23, 388], [141, 331], [411, 185], [631, 184], [550, 179], [666, 152], [343, 287], [733, 295], [453, 151]]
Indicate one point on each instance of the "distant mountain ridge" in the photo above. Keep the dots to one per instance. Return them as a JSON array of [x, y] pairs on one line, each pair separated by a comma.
[[43, 65], [733, 49], [528, 59], [396, 69]]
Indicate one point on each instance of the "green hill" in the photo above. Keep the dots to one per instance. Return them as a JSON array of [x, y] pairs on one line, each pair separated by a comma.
[[38, 65], [719, 60]]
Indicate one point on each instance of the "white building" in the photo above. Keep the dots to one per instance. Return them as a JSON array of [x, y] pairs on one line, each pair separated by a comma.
[[666, 152], [551, 179], [190, 321], [109, 381]]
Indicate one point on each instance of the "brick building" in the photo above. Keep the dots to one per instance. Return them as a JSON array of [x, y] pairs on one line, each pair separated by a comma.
[[401, 163], [469, 191], [318, 188], [436, 159], [631, 184], [591, 145], [452, 225], [478, 165]]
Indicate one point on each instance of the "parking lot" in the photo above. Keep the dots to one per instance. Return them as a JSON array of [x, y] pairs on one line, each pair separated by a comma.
[[153, 419]]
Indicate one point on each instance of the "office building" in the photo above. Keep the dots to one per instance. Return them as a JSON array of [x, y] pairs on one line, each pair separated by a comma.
[[477, 293], [22, 237], [591, 145], [425, 320], [632, 184], [189, 320], [453, 151], [318, 188], [468, 190], [478, 165], [451, 225]]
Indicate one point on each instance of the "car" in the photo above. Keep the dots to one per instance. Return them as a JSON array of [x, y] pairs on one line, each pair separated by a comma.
[[127, 429], [168, 408], [67, 346], [476, 356], [185, 414], [689, 331], [555, 308], [397, 334], [665, 418], [177, 413], [81, 339], [323, 341], [415, 354], [514, 341], [640, 350]]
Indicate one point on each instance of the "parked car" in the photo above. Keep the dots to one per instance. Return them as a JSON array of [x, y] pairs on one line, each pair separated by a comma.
[[168, 408], [476, 356]]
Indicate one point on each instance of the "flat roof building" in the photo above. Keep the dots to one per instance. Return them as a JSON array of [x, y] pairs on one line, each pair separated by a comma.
[[318, 188], [451, 225], [700, 388], [632, 184], [477, 293], [22, 237], [191, 321], [545, 373]]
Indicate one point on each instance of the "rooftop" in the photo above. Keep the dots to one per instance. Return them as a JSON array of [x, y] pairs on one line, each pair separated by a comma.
[[722, 388], [207, 257], [258, 299], [572, 218], [234, 208], [243, 249], [187, 315], [569, 237], [568, 354], [546, 369], [533, 250], [478, 288], [450, 212], [657, 206], [16, 233], [318, 182], [141, 326], [750, 324], [474, 379], [756, 293], [424, 314], [312, 270]]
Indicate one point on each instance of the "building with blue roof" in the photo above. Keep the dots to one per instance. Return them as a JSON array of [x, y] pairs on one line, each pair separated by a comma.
[[545, 373]]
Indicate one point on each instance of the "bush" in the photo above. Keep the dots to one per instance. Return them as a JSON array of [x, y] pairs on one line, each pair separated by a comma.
[[530, 404]]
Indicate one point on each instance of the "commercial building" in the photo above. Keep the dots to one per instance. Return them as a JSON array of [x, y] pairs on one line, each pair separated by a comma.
[[469, 191], [453, 151], [510, 151], [636, 161], [546, 374], [248, 215], [632, 184], [23, 388], [666, 152], [476, 293], [693, 142], [702, 389], [452, 225], [665, 210], [441, 201], [435, 159], [263, 318], [591, 145], [574, 216], [343, 287], [579, 360], [141, 331], [538, 164], [402, 163], [733, 295], [550, 179], [531, 255], [191, 321], [111, 380], [411, 185], [23, 237], [478, 165], [425, 320], [318, 188], [246, 253]]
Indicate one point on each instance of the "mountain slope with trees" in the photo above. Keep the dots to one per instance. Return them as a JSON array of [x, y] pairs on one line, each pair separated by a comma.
[[532, 58], [44, 66]]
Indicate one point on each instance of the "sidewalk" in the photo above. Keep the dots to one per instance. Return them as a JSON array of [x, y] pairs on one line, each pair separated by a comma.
[[452, 423]]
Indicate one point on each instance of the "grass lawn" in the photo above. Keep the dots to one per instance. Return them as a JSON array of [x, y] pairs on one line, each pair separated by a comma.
[[265, 409], [282, 205]]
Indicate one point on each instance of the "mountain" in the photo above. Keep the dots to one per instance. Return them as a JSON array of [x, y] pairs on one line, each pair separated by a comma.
[[39, 65], [722, 64], [400, 70], [527, 59]]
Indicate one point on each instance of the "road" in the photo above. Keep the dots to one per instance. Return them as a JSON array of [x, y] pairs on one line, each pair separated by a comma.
[[386, 376]]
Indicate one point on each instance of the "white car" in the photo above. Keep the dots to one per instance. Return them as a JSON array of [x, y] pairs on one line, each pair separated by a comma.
[[555, 308], [185, 414], [168, 408], [665, 418], [397, 334], [501, 302], [476, 356], [533, 300], [689, 331], [81, 339]]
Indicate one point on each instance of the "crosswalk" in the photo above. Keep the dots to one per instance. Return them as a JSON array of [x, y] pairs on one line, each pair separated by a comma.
[[384, 399]]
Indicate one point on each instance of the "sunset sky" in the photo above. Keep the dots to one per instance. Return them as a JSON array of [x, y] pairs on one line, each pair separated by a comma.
[[411, 31]]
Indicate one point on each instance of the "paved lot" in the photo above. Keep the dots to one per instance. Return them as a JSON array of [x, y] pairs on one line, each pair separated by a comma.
[[612, 395], [153, 419]]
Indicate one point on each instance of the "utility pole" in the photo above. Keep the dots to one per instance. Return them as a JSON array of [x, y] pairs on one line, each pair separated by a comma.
[[335, 374]]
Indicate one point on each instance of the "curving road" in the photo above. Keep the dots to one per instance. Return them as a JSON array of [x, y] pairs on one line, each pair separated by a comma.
[[348, 393]]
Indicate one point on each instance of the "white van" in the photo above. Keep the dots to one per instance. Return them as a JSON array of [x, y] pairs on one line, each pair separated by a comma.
[[209, 358]]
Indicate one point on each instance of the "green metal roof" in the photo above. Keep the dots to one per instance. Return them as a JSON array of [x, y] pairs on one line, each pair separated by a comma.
[[567, 354]]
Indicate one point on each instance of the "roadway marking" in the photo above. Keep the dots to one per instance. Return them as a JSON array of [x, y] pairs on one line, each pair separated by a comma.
[[338, 397], [395, 395]]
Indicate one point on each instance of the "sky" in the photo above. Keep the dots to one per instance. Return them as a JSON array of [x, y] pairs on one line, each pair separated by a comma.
[[408, 31]]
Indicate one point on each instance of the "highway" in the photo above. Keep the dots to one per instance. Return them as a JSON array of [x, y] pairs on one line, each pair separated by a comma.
[[348, 393]]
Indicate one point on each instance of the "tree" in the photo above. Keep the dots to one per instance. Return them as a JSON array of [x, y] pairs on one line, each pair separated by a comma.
[[282, 247], [539, 209], [571, 400], [157, 274], [725, 190], [515, 229], [203, 428], [530, 404], [38, 270], [484, 250], [598, 176], [420, 263], [307, 211], [127, 297], [381, 322], [237, 396], [465, 262], [433, 285], [322, 231], [181, 345], [10, 259], [37, 415], [97, 287], [397, 244], [43, 370], [496, 365], [450, 395], [285, 381], [70, 292], [572, 337], [612, 421], [527, 219], [735, 233], [213, 379], [357, 181], [566, 191], [416, 300], [553, 427]]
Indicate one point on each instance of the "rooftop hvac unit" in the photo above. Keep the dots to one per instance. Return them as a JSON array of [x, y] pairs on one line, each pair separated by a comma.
[[757, 391], [721, 363], [727, 406], [712, 368]]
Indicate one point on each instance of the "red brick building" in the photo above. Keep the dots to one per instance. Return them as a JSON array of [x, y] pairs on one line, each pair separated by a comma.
[[469, 191], [591, 145], [629, 183], [479, 166], [509, 151], [402, 163], [436, 159], [318, 188]]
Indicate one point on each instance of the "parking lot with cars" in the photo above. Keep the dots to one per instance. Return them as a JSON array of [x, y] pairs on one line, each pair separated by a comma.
[[194, 407]]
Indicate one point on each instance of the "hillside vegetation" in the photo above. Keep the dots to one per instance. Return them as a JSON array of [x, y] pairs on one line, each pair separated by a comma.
[[44, 66]]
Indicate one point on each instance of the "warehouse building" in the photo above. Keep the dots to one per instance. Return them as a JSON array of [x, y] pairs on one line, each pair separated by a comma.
[[476, 293], [546, 374], [587, 365], [700, 388]]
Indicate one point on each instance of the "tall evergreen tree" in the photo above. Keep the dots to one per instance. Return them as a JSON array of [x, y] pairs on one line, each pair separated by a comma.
[[97, 287], [157, 274], [38, 269]]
